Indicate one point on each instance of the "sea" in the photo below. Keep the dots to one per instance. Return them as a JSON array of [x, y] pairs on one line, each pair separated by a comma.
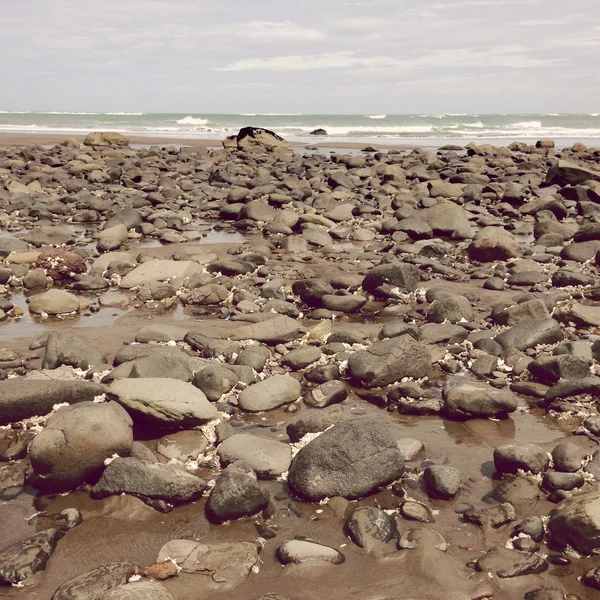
[[421, 129]]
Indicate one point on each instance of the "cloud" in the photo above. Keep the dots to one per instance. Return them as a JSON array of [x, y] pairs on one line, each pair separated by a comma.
[[514, 56], [272, 31], [481, 4]]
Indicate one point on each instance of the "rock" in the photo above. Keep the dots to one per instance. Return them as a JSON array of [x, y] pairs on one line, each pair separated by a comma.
[[159, 270], [369, 526], [568, 173], [511, 563], [257, 139], [25, 398], [49, 235], [209, 347], [302, 551], [225, 565], [270, 393], [318, 131], [545, 593], [215, 381], [553, 481], [330, 392], [478, 400], [447, 219], [592, 578], [160, 366], [66, 348], [94, 584], [76, 441], [580, 314], [349, 460], [525, 456], [567, 457], [278, 330], [388, 361], [236, 494], [254, 356], [347, 303], [493, 248], [148, 481], [452, 309], [523, 311], [315, 422], [54, 302], [206, 295], [61, 264], [550, 369], [415, 511], [160, 332], [162, 401], [138, 590], [23, 559], [492, 517], [105, 138], [268, 458], [183, 445], [530, 333], [401, 276], [442, 333], [112, 238], [576, 522], [301, 357], [442, 482]]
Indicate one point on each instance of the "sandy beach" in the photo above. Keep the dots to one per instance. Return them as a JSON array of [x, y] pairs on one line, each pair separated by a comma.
[[278, 374]]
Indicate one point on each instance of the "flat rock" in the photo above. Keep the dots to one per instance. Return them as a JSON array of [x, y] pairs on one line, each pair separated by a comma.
[[302, 551], [163, 401], [138, 590], [278, 330], [478, 400], [530, 333], [224, 565], [54, 302], [270, 393], [268, 458], [159, 270], [148, 481]]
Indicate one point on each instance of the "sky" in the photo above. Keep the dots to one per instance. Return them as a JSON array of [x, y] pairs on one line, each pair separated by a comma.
[[304, 56]]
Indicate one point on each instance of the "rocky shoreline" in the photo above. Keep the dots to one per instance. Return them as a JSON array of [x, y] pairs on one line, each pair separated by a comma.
[[281, 374]]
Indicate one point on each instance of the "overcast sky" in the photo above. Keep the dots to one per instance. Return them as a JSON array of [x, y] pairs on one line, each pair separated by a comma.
[[309, 56]]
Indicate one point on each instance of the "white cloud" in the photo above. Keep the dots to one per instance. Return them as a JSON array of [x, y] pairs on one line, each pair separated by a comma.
[[274, 31], [514, 56], [481, 3]]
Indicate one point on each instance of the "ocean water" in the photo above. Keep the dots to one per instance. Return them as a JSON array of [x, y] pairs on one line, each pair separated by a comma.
[[424, 129]]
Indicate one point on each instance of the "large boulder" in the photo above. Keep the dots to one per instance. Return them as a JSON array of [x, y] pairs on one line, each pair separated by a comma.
[[25, 398], [76, 441], [164, 401], [447, 219], [105, 138], [576, 522], [568, 173], [262, 140], [350, 460], [511, 458], [388, 361]]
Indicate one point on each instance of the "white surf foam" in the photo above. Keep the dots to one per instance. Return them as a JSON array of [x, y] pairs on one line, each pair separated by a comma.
[[189, 120]]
